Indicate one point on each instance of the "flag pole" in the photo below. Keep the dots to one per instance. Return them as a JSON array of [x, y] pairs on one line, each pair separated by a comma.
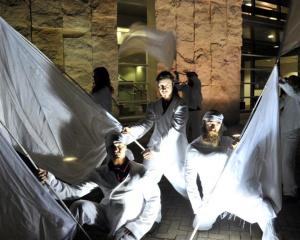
[[47, 184]]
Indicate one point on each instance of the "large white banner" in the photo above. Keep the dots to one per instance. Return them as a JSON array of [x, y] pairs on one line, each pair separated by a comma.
[[59, 125]]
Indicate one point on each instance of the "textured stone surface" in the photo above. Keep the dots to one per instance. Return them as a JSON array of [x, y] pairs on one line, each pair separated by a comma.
[[209, 39], [17, 14], [104, 37], [50, 42], [224, 98], [77, 35], [78, 59], [77, 15], [47, 13]]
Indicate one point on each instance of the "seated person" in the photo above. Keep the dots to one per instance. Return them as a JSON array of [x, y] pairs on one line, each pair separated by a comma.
[[207, 156], [131, 200]]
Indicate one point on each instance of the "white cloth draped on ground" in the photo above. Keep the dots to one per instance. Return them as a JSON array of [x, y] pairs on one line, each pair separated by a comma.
[[26, 210], [160, 45], [253, 169], [58, 124]]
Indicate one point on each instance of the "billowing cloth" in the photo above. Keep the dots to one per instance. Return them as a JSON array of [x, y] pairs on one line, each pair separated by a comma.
[[140, 39], [58, 124], [208, 163], [27, 211], [168, 140], [252, 172], [133, 203]]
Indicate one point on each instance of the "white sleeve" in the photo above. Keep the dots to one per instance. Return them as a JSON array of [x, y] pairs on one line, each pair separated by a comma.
[[142, 127], [191, 180], [179, 118], [66, 191], [143, 223]]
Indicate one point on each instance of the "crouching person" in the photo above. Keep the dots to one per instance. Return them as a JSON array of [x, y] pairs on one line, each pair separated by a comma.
[[131, 199], [206, 157]]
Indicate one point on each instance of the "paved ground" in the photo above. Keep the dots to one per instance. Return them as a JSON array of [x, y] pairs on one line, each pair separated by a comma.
[[177, 221]]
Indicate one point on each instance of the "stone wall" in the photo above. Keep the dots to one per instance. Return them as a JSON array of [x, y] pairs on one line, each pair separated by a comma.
[[209, 39], [77, 35]]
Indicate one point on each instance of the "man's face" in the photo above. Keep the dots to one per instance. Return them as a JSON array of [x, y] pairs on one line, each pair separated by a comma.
[[213, 127], [118, 152], [165, 87]]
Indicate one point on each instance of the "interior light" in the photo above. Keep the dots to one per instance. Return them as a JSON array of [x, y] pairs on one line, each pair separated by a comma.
[[121, 33], [271, 36], [139, 69], [124, 30], [276, 46], [70, 159], [248, 4], [272, 18]]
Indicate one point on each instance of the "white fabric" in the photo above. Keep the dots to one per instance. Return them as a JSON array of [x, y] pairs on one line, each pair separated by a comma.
[[251, 173], [168, 141], [49, 115], [27, 211], [208, 163], [103, 98], [133, 203], [140, 39]]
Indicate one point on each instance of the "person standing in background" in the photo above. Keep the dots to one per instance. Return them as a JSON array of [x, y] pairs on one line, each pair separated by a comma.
[[191, 93], [102, 90]]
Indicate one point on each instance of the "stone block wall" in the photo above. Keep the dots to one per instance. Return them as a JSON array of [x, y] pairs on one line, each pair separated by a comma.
[[77, 35], [209, 39]]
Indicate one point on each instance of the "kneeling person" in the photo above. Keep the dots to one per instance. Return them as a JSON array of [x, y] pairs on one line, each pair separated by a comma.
[[207, 157], [131, 200]]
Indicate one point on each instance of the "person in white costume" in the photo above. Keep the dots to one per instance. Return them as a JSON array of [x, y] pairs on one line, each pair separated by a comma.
[[131, 201], [166, 148], [207, 156], [290, 133]]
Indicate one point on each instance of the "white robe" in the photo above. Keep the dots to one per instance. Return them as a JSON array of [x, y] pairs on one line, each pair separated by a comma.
[[209, 163], [168, 141], [290, 138], [134, 203]]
